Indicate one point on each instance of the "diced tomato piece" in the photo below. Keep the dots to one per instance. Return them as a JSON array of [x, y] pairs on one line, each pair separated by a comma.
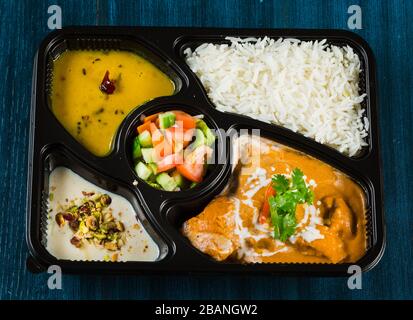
[[169, 162], [265, 210], [151, 118], [181, 133], [179, 137], [152, 127], [188, 135], [144, 127], [162, 166], [194, 164], [173, 134], [184, 120], [163, 149], [193, 172], [157, 135]]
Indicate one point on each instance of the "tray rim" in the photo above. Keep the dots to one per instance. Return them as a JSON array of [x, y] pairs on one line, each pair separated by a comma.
[[202, 31]]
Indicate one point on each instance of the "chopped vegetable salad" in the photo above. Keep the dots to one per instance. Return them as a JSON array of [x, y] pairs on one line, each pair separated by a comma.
[[171, 150]]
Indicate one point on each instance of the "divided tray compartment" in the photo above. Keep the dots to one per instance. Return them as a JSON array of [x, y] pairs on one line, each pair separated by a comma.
[[162, 212], [55, 156]]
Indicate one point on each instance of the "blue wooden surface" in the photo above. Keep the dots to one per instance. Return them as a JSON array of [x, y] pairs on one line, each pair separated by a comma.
[[387, 26]]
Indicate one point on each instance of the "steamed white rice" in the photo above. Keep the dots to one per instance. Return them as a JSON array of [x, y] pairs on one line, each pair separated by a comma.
[[307, 86]]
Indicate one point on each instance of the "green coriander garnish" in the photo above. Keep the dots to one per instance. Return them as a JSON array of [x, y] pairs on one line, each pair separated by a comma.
[[289, 193]]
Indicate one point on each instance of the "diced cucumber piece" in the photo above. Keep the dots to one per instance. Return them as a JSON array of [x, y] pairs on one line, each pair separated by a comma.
[[143, 171], [136, 149], [193, 185], [145, 139], [147, 154], [154, 185], [153, 167], [209, 136], [199, 139], [166, 120], [179, 179], [151, 179], [166, 182]]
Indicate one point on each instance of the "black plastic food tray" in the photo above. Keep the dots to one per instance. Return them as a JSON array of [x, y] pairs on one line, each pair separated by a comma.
[[162, 213]]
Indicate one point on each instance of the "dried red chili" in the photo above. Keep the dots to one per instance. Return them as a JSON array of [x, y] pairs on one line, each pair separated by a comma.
[[107, 86]]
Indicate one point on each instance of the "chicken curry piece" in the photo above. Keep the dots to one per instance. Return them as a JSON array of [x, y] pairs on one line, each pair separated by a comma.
[[330, 230]]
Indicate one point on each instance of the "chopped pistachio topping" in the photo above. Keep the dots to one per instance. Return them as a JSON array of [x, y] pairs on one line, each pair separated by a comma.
[[93, 221]]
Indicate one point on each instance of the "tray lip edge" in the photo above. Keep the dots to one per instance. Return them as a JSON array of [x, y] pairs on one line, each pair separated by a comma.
[[68, 29]]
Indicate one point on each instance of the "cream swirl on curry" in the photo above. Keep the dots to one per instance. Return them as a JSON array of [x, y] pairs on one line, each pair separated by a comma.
[[253, 223]]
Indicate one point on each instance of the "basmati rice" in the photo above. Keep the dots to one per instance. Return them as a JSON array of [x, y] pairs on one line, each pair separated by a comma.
[[309, 87]]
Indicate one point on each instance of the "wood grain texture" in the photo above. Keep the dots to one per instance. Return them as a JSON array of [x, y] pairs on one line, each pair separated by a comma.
[[387, 27]]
